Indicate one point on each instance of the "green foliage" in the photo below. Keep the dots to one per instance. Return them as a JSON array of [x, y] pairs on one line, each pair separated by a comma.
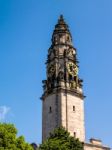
[[9, 140], [60, 139]]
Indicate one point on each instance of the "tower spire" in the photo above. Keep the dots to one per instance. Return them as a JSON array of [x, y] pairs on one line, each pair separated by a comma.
[[62, 87]]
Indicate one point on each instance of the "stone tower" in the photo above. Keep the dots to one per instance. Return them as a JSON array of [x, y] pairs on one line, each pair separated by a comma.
[[63, 99]]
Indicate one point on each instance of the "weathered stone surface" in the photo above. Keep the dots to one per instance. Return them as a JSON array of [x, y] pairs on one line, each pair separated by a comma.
[[63, 115]]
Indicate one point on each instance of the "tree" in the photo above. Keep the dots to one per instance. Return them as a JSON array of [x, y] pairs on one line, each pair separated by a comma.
[[60, 139], [34, 145], [9, 139]]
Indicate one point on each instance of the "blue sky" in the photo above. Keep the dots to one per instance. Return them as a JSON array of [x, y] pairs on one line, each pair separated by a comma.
[[25, 36]]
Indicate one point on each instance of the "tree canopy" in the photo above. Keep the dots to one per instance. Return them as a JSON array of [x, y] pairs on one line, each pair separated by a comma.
[[9, 139], [60, 139]]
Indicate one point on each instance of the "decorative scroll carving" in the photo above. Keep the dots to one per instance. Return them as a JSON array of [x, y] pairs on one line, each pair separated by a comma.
[[80, 81], [44, 85]]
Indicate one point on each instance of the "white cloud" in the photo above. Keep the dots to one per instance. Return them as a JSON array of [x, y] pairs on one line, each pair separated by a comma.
[[4, 110]]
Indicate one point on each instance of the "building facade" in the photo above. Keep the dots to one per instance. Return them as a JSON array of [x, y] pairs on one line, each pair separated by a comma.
[[63, 98]]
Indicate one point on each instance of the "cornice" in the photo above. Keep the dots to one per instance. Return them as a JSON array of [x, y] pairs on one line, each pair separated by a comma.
[[63, 90], [98, 146]]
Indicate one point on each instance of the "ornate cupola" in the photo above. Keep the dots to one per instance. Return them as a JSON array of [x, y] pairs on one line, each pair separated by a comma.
[[62, 96], [62, 64]]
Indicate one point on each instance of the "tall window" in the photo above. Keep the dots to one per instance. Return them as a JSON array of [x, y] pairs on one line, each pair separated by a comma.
[[50, 109], [73, 108], [74, 134]]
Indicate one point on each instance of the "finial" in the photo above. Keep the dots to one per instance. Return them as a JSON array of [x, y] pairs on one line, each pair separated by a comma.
[[61, 16], [61, 19]]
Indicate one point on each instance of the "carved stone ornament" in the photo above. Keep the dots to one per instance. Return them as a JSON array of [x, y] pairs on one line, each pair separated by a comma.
[[51, 70], [61, 75], [73, 84], [70, 52]]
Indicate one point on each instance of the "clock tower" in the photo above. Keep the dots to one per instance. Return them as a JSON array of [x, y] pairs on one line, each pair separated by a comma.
[[62, 99]]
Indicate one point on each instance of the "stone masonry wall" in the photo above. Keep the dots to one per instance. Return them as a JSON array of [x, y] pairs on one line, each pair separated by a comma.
[[74, 119], [62, 114], [50, 120]]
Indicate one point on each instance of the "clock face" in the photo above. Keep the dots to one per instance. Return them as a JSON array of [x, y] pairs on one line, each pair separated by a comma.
[[72, 69], [51, 70]]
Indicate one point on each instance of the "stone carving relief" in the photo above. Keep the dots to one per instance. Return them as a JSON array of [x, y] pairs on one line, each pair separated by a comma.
[[61, 75], [70, 52]]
